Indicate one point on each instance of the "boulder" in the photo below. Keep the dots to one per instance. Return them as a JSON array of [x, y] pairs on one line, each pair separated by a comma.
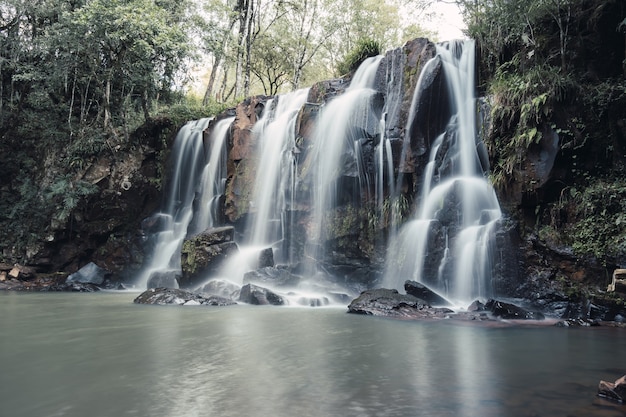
[[275, 277], [204, 254], [90, 273], [165, 296], [266, 258], [390, 303], [476, 306], [253, 294], [221, 287], [422, 292], [615, 391], [509, 311], [163, 279]]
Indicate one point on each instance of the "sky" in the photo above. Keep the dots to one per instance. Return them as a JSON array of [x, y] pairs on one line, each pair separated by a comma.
[[449, 22]]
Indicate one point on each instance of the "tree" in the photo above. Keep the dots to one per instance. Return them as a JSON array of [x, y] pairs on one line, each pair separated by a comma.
[[118, 53], [215, 30]]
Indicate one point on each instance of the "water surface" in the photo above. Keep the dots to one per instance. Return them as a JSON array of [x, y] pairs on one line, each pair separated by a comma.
[[100, 355]]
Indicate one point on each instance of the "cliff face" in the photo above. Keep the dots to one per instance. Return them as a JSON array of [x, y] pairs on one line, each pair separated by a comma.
[[353, 244]]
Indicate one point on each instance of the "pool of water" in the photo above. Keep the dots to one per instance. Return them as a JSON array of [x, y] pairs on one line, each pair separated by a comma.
[[101, 355]]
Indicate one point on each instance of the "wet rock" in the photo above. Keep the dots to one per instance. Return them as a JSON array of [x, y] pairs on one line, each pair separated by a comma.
[[221, 287], [577, 309], [390, 303], [72, 286], [422, 292], [203, 255], [509, 311], [163, 279], [266, 258], [90, 273], [242, 158], [275, 277], [615, 391], [577, 323], [168, 296], [476, 306], [253, 294]]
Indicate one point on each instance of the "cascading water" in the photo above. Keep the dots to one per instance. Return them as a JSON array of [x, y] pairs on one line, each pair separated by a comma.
[[274, 135], [447, 244], [213, 180], [174, 222], [343, 123], [312, 188]]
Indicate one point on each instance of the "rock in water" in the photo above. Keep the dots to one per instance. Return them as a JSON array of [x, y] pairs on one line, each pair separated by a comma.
[[422, 292], [615, 391], [509, 311], [164, 296], [266, 258], [272, 276], [90, 273], [204, 254], [253, 294], [390, 303], [163, 279]]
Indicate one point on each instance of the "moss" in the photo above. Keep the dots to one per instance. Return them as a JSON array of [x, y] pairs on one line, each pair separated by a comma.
[[188, 257]]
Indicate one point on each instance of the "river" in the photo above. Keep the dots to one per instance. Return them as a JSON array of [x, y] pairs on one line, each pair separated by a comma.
[[99, 354]]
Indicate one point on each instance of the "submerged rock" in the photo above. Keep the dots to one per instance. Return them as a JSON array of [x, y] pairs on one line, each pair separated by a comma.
[[390, 303], [164, 296]]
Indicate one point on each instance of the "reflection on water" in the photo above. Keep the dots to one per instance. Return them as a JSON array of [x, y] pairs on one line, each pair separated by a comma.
[[100, 355]]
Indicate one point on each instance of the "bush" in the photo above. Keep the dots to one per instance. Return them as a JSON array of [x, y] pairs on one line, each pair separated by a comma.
[[364, 49]]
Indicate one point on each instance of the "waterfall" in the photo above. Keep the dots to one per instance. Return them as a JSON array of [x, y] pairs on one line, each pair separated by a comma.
[[275, 138], [193, 182], [212, 182], [448, 242], [344, 123], [326, 188]]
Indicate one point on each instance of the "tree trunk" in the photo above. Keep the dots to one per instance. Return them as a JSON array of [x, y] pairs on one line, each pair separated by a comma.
[[107, 102], [249, 28], [209, 88], [144, 105], [243, 21]]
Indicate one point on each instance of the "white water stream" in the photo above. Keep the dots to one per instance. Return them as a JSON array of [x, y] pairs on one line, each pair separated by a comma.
[[458, 207]]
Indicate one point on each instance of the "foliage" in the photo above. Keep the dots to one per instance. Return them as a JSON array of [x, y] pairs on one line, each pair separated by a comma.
[[522, 103], [364, 49], [592, 219]]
